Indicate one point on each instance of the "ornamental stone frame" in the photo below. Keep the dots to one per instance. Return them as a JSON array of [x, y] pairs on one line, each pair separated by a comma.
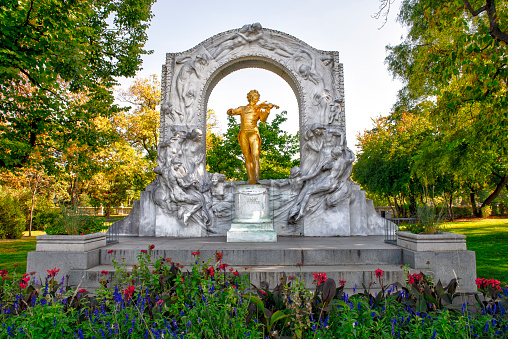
[[319, 199]]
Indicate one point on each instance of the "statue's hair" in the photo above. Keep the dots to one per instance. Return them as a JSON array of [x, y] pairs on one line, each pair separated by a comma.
[[251, 94]]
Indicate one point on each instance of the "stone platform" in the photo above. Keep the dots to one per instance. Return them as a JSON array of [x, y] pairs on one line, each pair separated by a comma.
[[353, 259]]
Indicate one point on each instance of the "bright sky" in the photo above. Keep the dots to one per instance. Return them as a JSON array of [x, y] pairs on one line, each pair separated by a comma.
[[330, 25]]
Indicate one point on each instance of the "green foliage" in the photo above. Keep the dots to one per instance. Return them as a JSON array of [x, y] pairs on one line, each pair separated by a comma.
[[43, 219], [12, 219], [430, 218], [486, 211], [58, 63], [278, 151], [455, 75], [159, 299], [72, 221]]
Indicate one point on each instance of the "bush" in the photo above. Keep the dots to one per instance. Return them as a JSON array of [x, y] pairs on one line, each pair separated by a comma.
[[46, 219], [72, 221], [486, 211], [12, 219], [461, 212]]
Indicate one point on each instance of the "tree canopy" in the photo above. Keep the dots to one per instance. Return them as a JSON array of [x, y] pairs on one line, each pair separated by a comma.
[[58, 63], [453, 64]]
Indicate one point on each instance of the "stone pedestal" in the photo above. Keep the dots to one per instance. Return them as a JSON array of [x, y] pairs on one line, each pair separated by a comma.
[[252, 221]]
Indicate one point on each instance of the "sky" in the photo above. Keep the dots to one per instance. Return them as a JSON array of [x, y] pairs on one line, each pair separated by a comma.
[[335, 25]]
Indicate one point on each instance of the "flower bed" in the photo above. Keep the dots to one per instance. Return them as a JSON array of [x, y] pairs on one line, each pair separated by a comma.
[[158, 299]]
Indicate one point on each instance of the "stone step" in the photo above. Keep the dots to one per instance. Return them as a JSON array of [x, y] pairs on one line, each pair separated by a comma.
[[264, 257], [354, 275]]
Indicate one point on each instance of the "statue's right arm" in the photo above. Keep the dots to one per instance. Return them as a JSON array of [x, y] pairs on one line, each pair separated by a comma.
[[235, 111]]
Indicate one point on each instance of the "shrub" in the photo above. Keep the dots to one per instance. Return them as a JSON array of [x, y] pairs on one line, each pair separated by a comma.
[[486, 211], [46, 219], [430, 219], [12, 219], [461, 212], [72, 221]]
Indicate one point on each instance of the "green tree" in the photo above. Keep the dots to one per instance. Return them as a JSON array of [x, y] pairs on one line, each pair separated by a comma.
[[385, 160], [140, 126], [50, 52], [278, 151], [453, 65]]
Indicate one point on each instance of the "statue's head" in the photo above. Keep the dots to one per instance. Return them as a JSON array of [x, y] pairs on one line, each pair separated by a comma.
[[295, 172], [253, 96], [256, 26], [336, 152], [196, 134]]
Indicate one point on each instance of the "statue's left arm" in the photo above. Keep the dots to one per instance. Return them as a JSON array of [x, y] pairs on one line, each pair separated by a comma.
[[265, 110]]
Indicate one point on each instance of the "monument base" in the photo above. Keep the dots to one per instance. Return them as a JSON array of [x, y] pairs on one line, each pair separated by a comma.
[[252, 222], [251, 233]]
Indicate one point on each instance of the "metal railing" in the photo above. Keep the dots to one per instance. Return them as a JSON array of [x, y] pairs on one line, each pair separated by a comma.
[[391, 227], [112, 230]]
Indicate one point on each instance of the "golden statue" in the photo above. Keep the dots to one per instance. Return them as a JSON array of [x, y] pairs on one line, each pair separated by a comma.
[[249, 138]]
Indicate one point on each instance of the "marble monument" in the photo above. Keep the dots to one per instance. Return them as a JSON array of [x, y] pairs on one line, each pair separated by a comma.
[[318, 198]]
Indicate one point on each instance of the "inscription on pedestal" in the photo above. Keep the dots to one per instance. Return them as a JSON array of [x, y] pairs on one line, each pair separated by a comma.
[[252, 221]]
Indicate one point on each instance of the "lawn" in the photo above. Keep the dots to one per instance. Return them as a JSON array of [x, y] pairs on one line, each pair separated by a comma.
[[489, 239], [13, 252]]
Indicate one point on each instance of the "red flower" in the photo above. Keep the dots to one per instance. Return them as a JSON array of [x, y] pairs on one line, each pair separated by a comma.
[[263, 292], [246, 268], [483, 283], [379, 273], [195, 253], [218, 256], [110, 251], [159, 302], [181, 266], [319, 278], [104, 272], [83, 233], [210, 271], [299, 264], [24, 282], [3, 273], [411, 279], [32, 273], [231, 269], [144, 251], [235, 273], [82, 290], [223, 267], [151, 247], [182, 279], [53, 272], [342, 282], [129, 291], [291, 277]]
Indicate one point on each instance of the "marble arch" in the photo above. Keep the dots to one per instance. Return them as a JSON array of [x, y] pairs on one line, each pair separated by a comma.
[[318, 199]]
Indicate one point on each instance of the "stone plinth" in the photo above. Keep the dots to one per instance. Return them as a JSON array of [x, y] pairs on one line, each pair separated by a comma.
[[252, 221], [70, 243], [439, 242]]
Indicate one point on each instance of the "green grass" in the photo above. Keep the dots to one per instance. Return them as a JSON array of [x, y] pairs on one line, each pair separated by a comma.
[[13, 252], [489, 239]]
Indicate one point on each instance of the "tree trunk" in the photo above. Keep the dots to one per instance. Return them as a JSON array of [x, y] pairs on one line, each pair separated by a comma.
[[412, 205], [451, 206], [496, 192], [391, 206], [476, 212], [31, 214]]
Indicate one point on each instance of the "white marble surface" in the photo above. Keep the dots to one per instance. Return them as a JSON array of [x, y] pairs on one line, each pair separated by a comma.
[[252, 221]]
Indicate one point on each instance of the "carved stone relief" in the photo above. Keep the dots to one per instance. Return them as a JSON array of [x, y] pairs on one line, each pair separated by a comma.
[[314, 200]]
